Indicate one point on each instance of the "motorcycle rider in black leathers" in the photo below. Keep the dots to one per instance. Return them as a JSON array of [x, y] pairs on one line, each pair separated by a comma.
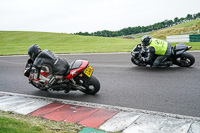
[[47, 61], [156, 47]]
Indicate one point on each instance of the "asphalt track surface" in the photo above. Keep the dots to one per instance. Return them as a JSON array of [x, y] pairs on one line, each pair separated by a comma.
[[173, 90]]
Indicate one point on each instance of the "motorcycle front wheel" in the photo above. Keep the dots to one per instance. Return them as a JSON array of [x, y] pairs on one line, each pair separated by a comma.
[[137, 62], [134, 61], [91, 85], [185, 60]]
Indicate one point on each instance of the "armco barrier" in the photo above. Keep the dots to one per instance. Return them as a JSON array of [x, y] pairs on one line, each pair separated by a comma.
[[195, 38], [183, 38], [178, 38]]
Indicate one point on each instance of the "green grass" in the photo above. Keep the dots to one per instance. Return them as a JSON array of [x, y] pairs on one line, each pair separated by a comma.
[[195, 45], [188, 24], [16, 123], [16, 126], [18, 42], [177, 29]]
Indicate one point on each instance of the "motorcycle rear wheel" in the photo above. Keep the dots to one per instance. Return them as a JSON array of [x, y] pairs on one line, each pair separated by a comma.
[[91, 85], [185, 60]]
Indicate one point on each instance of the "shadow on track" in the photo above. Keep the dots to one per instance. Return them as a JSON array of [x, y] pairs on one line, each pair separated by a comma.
[[67, 96], [169, 69]]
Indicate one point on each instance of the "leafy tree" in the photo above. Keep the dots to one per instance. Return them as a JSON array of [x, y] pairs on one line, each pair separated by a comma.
[[198, 15], [140, 29], [176, 20], [189, 17]]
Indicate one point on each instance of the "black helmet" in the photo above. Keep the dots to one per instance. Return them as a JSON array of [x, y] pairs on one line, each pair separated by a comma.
[[33, 51], [146, 39]]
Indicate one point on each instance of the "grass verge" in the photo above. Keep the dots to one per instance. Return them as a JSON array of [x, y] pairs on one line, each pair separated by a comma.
[[177, 29], [16, 123], [18, 42]]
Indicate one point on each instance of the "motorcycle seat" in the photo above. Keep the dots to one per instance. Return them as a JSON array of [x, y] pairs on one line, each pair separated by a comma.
[[75, 64]]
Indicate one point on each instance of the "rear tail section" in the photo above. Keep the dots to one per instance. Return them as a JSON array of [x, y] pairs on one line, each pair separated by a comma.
[[76, 67], [181, 48]]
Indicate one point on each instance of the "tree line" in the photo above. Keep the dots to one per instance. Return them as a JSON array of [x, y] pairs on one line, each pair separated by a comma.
[[141, 29]]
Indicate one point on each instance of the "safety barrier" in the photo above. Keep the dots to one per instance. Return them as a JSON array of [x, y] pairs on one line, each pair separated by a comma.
[[183, 38], [178, 38], [195, 38]]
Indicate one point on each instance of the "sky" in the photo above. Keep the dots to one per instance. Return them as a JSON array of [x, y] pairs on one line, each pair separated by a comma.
[[72, 16]]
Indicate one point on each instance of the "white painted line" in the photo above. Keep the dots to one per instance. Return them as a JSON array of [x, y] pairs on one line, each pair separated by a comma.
[[13, 103], [95, 105], [2, 98], [158, 124], [21, 105], [89, 53], [195, 128], [128, 120], [36, 104], [74, 54], [120, 121], [14, 56]]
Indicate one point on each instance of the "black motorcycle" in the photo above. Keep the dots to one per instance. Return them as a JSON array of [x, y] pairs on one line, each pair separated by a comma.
[[179, 56]]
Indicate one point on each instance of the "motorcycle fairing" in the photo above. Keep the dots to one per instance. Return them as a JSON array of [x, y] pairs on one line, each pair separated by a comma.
[[75, 64], [75, 70], [180, 48]]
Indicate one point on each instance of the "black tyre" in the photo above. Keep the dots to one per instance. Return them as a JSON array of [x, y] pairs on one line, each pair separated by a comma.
[[91, 85], [136, 62], [185, 60]]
